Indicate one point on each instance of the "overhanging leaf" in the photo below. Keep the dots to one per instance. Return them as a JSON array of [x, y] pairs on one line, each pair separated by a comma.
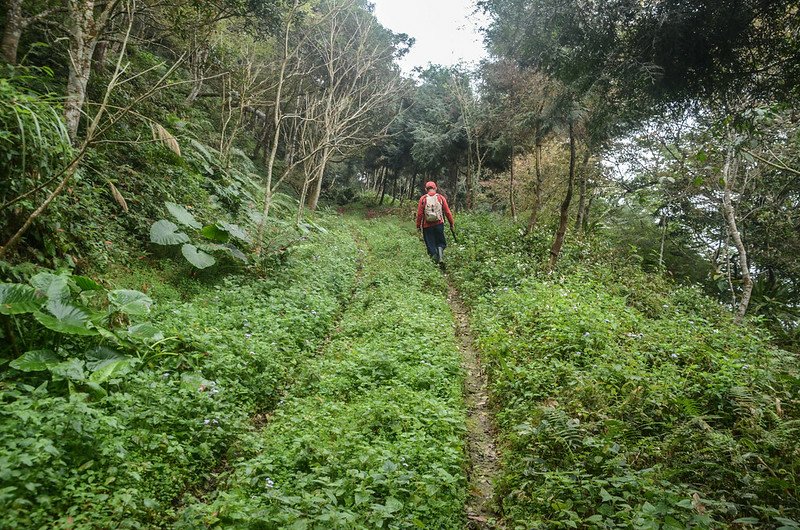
[[130, 302], [197, 257], [165, 232], [35, 361], [65, 318], [16, 298], [182, 215]]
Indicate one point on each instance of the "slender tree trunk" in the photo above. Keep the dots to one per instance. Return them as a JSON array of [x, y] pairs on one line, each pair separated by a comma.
[[511, 188], [12, 33], [587, 210], [394, 186], [729, 178], [469, 183], [664, 225], [582, 192], [314, 198], [85, 31], [558, 243], [537, 188], [383, 186]]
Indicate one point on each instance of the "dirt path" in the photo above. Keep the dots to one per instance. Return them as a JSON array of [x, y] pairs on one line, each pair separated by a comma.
[[484, 462]]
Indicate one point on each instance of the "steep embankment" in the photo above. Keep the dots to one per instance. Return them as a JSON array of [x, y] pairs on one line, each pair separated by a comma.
[[624, 400]]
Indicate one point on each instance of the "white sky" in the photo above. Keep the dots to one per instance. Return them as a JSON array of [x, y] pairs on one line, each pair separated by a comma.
[[446, 31]]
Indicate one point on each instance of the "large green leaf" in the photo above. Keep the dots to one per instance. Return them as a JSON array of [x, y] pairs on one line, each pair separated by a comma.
[[197, 257], [35, 361], [71, 369], [145, 332], [111, 369], [182, 215], [16, 298], [215, 233], [65, 318], [53, 286], [87, 284], [130, 302], [235, 231], [230, 248], [165, 232]]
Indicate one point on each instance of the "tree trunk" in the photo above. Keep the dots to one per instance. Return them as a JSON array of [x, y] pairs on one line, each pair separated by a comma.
[[383, 186], [582, 192], [99, 58], [313, 200], [12, 32], [83, 40], [537, 189], [394, 186], [555, 250], [469, 183], [729, 178], [511, 188]]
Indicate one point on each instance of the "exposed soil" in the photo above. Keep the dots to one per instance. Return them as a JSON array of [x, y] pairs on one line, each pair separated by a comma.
[[483, 459]]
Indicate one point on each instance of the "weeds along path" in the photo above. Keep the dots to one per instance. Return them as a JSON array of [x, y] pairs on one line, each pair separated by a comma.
[[484, 464], [371, 434]]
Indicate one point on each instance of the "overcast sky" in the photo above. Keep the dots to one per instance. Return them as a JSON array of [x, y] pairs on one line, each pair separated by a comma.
[[446, 31]]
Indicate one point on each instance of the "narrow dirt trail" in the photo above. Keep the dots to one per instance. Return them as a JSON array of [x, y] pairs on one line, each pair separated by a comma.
[[483, 458]]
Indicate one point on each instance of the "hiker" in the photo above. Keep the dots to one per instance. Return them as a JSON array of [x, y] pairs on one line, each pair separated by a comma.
[[431, 211]]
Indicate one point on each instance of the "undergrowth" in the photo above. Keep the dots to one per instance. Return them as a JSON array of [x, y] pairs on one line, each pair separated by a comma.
[[371, 436], [228, 350], [624, 401]]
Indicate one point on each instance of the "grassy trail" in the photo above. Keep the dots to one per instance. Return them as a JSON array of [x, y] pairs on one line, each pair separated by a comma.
[[372, 433]]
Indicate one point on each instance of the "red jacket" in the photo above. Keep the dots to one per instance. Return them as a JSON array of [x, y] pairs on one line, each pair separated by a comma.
[[422, 223]]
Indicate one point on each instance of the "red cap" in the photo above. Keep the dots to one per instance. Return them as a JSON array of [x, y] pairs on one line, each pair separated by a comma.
[[430, 184]]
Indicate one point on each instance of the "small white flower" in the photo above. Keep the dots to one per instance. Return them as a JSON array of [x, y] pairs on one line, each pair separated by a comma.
[[745, 367], [269, 483], [248, 335], [674, 355]]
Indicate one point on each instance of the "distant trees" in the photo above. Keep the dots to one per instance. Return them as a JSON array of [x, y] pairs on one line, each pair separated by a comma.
[[626, 65]]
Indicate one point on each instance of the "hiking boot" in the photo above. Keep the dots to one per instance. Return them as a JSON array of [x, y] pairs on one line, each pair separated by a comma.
[[440, 257]]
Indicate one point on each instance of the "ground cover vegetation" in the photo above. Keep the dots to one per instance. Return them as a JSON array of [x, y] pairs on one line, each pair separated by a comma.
[[622, 400], [371, 435], [111, 424], [180, 338]]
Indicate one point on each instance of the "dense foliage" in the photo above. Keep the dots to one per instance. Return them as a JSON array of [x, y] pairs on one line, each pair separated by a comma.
[[371, 433], [214, 356], [623, 401]]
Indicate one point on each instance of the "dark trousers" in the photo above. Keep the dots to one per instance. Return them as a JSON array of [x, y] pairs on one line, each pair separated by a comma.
[[434, 238]]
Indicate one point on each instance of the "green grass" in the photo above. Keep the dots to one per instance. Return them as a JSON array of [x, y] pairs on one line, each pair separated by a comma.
[[624, 401], [125, 461], [372, 434]]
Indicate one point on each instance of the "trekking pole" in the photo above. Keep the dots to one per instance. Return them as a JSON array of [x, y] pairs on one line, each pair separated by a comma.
[[453, 231]]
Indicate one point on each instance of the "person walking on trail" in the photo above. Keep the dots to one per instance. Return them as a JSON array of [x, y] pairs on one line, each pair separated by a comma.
[[431, 211]]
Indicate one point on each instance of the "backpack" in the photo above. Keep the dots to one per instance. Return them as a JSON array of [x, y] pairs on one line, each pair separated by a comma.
[[433, 208]]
